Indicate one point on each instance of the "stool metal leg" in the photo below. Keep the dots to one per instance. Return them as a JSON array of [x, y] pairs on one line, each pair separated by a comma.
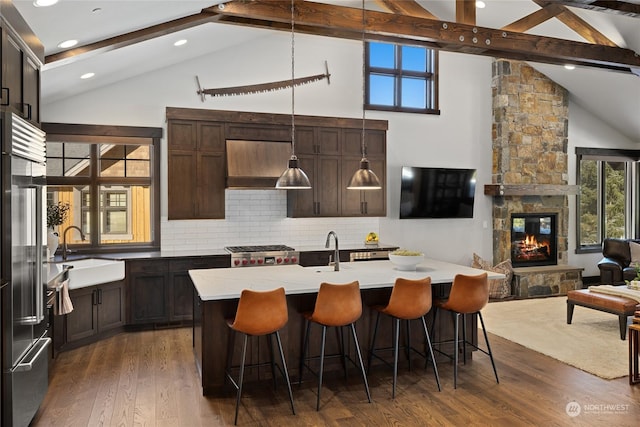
[[286, 371], [241, 378], [433, 360], [408, 349], [305, 344], [364, 374], [455, 349], [396, 349], [324, 336], [373, 343], [486, 339], [464, 338], [273, 363]]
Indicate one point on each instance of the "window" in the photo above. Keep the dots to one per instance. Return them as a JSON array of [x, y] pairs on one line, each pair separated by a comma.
[[109, 176], [608, 205], [401, 78]]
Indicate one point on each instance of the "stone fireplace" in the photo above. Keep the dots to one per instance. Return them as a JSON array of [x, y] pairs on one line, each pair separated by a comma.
[[530, 176]]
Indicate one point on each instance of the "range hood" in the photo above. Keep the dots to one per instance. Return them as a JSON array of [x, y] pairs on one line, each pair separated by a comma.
[[256, 164]]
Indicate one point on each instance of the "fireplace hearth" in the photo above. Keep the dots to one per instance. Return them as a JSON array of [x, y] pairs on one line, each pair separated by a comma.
[[533, 239]]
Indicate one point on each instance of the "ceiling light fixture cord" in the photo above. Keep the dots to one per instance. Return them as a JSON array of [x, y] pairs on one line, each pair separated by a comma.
[[364, 99], [293, 86]]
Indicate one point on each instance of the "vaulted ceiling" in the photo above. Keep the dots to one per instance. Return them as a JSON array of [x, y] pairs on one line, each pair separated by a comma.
[[600, 37]]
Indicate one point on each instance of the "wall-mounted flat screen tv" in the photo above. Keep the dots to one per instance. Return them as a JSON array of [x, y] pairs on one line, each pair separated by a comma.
[[437, 192]]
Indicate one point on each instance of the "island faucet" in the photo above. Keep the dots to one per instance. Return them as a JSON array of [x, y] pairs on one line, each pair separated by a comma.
[[64, 239], [336, 256]]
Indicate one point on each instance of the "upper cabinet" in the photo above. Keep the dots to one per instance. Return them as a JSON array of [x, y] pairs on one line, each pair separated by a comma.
[[20, 66], [328, 149], [196, 165], [364, 202]]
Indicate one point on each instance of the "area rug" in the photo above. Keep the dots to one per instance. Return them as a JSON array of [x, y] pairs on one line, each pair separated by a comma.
[[591, 343]]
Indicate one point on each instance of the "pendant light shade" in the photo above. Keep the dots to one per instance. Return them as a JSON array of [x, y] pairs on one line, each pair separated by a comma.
[[364, 178], [293, 178]]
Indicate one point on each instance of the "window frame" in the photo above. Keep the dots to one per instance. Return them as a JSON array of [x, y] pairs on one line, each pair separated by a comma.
[[430, 76], [601, 156], [105, 134]]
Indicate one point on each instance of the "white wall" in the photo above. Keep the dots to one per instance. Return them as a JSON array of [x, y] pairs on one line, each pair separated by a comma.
[[459, 137]]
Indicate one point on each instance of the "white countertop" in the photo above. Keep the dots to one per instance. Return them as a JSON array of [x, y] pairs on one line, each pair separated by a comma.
[[228, 283]]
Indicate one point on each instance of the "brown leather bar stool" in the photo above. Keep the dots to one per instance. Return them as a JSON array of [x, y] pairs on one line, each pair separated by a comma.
[[259, 313], [469, 295], [336, 305], [409, 300]]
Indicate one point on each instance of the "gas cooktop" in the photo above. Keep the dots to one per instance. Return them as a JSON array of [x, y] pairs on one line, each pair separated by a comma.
[[258, 248], [262, 255]]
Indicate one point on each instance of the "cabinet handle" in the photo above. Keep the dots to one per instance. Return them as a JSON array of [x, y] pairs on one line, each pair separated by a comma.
[[7, 101], [99, 291], [28, 115], [94, 298]]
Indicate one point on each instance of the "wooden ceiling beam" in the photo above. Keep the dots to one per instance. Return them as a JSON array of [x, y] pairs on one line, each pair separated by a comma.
[[70, 55], [615, 7], [339, 21], [466, 12], [534, 19], [406, 7], [577, 24]]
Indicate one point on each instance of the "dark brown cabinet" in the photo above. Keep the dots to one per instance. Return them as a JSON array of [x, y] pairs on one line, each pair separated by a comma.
[[364, 202], [181, 290], [160, 290], [196, 169], [96, 310], [318, 151], [148, 293], [20, 76]]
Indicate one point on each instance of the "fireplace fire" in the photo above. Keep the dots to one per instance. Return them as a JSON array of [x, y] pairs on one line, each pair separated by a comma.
[[533, 239]]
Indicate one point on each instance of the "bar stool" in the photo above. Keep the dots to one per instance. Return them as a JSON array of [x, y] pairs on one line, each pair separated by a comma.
[[259, 313], [409, 300], [336, 305], [469, 295]]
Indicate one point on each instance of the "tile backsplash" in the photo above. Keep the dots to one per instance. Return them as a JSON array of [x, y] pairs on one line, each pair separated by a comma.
[[260, 217]]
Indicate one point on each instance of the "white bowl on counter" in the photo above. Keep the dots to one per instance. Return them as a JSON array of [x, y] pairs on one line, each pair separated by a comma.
[[406, 262]]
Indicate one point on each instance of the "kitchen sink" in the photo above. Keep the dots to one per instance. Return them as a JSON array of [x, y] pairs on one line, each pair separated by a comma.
[[92, 271], [329, 268]]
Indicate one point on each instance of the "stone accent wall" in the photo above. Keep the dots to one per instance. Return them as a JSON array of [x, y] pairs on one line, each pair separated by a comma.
[[529, 131]]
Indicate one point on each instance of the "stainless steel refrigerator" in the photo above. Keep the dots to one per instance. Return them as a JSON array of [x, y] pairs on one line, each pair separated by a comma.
[[24, 320]]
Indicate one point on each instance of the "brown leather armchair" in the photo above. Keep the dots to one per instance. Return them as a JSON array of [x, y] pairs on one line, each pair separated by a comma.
[[615, 265]]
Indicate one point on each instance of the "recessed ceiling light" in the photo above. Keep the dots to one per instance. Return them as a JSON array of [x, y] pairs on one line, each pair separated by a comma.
[[570, 67], [480, 4], [87, 75], [44, 3], [180, 42], [67, 43]]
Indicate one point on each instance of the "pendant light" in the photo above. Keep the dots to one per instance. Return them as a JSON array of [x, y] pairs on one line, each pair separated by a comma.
[[364, 178], [293, 178]]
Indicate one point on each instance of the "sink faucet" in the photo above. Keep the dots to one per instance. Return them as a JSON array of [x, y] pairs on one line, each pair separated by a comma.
[[336, 256], [64, 239]]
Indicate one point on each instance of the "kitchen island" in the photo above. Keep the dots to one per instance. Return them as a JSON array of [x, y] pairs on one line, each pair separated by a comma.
[[217, 292]]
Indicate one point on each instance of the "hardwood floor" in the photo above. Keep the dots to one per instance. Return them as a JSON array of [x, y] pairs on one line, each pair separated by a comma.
[[149, 379]]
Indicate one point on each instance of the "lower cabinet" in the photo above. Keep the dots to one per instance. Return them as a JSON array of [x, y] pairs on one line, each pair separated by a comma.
[[96, 310], [161, 291], [147, 290]]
